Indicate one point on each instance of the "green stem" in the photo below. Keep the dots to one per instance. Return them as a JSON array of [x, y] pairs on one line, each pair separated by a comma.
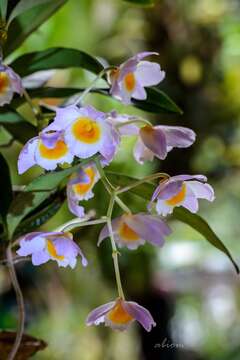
[[134, 121], [20, 302], [114, 248], [77, 223], [109, 187], [145, 179], [93, 83], [122, 205], [36, 111]]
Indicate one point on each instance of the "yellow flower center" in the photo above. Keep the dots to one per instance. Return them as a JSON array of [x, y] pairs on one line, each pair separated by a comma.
[[178, 198], [83, 188], [130, 82], [86, 130], [127, 233], [60, 149], [118, 315], [52, 251], [4, 82]]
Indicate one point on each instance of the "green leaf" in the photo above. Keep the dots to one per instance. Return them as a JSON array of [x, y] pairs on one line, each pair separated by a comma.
[[16, 125], [145, 191], [28, 22], [22, 205], [5, 186], [141, 2], [51, 180], [200, 225], [157, 102], [33, 195], [3, 8], [24, 5], [55, 58], [41, 217]]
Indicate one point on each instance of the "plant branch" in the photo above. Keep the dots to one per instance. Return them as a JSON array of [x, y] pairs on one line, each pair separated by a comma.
[[114, 248], [145, 179], [20, 303]]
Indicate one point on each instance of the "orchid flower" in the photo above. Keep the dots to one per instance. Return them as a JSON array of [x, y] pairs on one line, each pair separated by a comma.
[[130, 78], [182, 190], [119, 314], [80, 188], [132, 230], [46, 150], [86, 131], [45, 246], [10, 83]]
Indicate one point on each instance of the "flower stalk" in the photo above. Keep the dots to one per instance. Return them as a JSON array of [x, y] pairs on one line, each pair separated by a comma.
[[20, 303]]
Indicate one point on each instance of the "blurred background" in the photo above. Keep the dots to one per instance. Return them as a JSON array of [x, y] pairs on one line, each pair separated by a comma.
[[189, 286]]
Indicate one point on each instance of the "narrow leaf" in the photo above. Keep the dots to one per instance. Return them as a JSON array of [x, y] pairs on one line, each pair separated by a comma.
[[55, 58], [16, 125], [25, 24], [33, 195], [145, 191], [5, 186], [3, 8], [200, 225], [157, 102], [24, 5], [41, 217]]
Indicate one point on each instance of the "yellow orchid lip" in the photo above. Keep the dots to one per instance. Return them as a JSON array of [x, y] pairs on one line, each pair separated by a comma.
[[86, 130], [130, 81], [127, 233], [83, 188], [178, 198], [60, 149], [52, 251], [118, 315], [4, 82]]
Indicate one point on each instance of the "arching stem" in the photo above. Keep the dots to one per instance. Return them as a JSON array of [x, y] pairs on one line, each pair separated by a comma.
[[20, 303]]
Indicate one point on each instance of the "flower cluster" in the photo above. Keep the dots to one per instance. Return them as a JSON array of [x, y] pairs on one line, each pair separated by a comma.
[[84, 133]]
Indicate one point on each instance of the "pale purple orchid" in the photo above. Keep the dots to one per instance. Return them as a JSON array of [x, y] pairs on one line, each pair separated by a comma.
[[159, 140], [181, 190], [86, 131], [46, 150], [132, 230], [130, 78], [45, 246], [80, 187], [119, 314], [10, 83], [152, 140]]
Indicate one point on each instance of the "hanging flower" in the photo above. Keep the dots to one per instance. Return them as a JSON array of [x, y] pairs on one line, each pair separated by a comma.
[[130, 78], [80, 188], [159, 140], [182, 190], [86, 131], [133, 230], [119, 314], [10, 83], [152, 140], [46, 150], [45, 246]]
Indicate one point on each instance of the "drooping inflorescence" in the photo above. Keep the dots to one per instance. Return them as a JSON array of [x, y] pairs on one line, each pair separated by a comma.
[[83, 133]]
